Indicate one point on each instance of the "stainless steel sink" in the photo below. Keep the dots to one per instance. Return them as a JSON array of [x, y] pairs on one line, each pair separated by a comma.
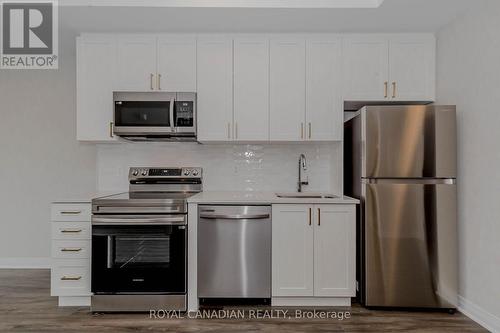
[[297, 195]]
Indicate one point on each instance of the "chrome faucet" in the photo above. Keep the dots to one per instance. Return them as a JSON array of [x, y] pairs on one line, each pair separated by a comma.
[[302, 166]]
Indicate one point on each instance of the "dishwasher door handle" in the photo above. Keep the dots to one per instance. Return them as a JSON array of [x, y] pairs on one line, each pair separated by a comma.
[[235, 217]]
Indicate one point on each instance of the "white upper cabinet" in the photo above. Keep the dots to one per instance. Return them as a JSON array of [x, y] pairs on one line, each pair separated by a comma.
[[412, 68], [215, 88], [366, 68], [176, 63], [96, 71], [334, 250], [324, 89], [389, 67], [136, 63], [287, 89], [251, 89]]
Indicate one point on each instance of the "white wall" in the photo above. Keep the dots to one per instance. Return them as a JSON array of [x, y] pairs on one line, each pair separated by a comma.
[[40, 157], [468, 74], [227, 167]]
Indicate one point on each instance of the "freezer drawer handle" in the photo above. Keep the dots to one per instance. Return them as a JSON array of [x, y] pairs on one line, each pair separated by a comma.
[[235, 217]]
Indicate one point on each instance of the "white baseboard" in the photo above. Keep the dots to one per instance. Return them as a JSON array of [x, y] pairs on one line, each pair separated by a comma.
[[25, 262], [479, 315]]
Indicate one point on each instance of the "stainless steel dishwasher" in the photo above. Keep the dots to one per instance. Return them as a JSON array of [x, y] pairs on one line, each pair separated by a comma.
[[234, 252]]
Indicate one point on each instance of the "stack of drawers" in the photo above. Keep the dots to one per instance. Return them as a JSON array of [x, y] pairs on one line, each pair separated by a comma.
[[71, 252]]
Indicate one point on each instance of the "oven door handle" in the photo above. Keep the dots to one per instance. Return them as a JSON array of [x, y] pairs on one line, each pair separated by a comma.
[[138, 221], [235, 217]]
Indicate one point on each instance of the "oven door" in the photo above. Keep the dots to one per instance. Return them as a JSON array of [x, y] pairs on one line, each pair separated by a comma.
[[132, 258]]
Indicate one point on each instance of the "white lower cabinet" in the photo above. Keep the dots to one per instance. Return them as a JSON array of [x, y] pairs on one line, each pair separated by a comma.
[[313, 253], [71, 252]]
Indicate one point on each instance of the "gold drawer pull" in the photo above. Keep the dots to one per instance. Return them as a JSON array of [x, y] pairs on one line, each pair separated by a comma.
[[67, 249], [71, 278], [71, 212], [71, 231]]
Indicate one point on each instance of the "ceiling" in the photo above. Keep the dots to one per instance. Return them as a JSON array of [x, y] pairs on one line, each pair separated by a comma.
[[391, 16]]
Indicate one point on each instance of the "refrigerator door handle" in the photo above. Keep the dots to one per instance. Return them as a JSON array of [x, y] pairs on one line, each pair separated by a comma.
[[423, 181]]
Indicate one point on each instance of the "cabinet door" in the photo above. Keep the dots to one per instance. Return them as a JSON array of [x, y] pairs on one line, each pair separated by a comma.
[[176, 63], [412, 68], [324, 113], [292, 250], [287, 89], [334, 250], [96, 71], [251, 89], [366, 60], [136, 63], [215, 88]]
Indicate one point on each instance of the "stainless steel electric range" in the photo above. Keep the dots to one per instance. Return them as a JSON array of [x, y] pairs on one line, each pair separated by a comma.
[[139, 242]]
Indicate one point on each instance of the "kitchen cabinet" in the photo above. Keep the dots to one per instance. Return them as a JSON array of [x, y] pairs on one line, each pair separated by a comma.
[[366, 68], [389, 67], [96, 72], [215, 88], [251, 89], [324, 109], [412, 68], [176, 63], [292, 250], [71, 244], [155, 63], [313, 250], [287, 89], [136, 63], [334, 250]]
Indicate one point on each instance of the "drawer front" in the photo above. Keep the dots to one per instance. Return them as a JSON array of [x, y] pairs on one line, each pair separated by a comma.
[[70, 249], [70, 278], [71, 212], [71, 230]]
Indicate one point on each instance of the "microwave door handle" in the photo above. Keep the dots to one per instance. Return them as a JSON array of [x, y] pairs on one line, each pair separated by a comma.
[[171, 114]]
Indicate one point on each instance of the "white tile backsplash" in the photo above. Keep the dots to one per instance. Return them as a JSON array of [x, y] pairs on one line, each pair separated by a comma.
[[226, 167]]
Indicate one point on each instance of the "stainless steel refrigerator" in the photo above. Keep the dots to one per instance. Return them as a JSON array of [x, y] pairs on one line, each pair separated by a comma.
[[400, 161]]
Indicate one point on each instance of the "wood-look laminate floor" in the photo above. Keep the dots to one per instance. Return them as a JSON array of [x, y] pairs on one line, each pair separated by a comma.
[[26, 306]]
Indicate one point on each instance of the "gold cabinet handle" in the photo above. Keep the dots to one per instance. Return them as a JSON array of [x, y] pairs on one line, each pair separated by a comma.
[[68, 249], [310, 216], [386, 89], [71, 212], [111, 129], [159, 81], [319, 216], [229, 130], [67, 231], [394, 90], [310, 131], [302, 131], [71, 278], [151, 79]]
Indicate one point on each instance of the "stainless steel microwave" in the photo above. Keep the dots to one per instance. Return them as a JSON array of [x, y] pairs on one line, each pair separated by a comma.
[[155, 116]]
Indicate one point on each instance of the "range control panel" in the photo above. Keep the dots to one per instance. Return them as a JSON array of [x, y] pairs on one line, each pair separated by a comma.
[[185, 172]]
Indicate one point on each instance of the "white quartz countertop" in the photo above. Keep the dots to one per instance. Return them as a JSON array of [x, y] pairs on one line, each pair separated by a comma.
[[82, 198], [255, 197]]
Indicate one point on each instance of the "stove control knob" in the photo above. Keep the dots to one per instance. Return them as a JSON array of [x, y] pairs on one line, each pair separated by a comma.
[[135, 172], [195, 172], [187, 172], [144, 172]]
